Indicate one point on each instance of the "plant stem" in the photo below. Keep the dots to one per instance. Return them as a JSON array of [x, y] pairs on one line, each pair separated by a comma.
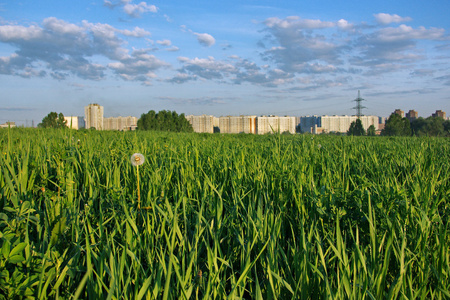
[[138, 188]]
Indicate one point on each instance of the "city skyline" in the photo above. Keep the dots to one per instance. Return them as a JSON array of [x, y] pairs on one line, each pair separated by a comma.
[[234, 58], [129, 122]]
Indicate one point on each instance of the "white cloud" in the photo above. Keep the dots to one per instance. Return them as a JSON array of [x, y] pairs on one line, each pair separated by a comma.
[[131, 9], [404, 32], [236, 72], [394, 48], [207, 66], [139, 66], [205, 39], [301, 46], [296, 42], [137, 32], [61, 27], [182, 78], [295, 22], [344, 25], [173, 49], [164, 42], [64, 48], [136, 10], [385, 19], [10, 33]]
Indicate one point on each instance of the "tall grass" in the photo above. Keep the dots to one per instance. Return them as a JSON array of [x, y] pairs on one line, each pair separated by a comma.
[[227, 216]]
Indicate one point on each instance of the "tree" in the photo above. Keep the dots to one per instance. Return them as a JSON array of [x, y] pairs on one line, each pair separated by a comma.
[[356, 128], [418, 127], [371, 131], [396, 125], [164, 121], [447, 127], [435, 126], [431, 126], [53, 120]]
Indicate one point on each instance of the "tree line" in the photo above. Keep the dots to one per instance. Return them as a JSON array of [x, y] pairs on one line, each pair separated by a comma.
[[171, 121], [53, 120], [401, 126], [164, 121], [161, 121], [431, 126]]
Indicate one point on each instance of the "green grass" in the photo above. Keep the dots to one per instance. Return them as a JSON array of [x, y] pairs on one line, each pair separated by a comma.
[[226, 216]]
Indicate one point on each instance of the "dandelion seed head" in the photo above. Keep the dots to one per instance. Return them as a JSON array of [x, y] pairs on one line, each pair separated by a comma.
[[137, 159]]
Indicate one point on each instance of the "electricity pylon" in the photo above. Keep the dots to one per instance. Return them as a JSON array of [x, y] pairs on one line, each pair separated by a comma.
[[358, 106]]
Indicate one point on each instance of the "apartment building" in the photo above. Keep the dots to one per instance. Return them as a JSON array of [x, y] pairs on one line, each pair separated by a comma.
[[237, 124], [411, 115], [120, 123], [275, 124], [203, 123], [75, 122], [94, 116], [327, 124]]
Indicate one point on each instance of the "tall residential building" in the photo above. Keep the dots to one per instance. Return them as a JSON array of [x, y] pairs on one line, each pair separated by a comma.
[[94, 116], [411, 115], [240, 124], [327, 124], [440, 114], [275, 124], [203, 123], [8, 125], [399, 112], [75, 122], [120, 123]]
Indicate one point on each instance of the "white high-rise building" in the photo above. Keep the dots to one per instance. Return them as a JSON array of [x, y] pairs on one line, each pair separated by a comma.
[[241, 124], [94, 116], [75, 122], [327, 124], [203, 123], [275, 124], [120, 123]]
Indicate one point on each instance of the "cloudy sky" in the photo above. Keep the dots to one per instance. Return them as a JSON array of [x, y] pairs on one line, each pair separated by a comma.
[[223, 57]]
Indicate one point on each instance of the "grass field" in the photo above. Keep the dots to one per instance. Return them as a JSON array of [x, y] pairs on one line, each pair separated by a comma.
[[223, 216]]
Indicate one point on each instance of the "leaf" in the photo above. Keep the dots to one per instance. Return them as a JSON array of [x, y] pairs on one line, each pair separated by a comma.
[[81, 286], [284, 282], [18, 249], [144, 288], [5, 249], [16, 259], [9, 209], [59, 228], [3, 216]]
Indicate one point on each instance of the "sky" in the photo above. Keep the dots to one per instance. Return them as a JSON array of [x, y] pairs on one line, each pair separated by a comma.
[[221, 58]]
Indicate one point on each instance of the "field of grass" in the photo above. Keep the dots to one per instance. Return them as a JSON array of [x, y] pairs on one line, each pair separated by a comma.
[[223, 216]]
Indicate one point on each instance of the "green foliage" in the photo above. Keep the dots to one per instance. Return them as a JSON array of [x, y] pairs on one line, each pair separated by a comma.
[[431, 126], [356, 128], [226, 216], [53, 120], [164, 121], [371, 131], [396, 126]]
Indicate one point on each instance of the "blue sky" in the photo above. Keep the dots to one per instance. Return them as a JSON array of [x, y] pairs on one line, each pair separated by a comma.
[[223, 58]]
